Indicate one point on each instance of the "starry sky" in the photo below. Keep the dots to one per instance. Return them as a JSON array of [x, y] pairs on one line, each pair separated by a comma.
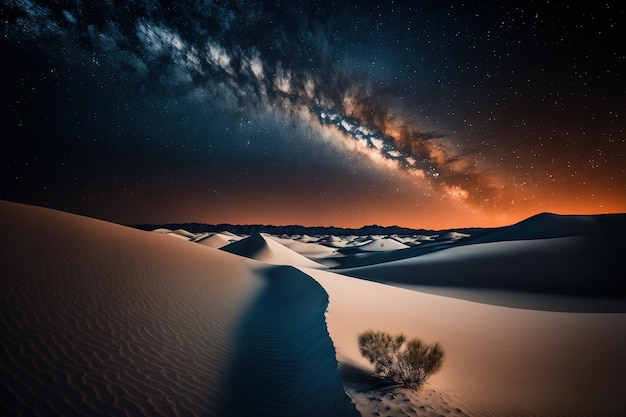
[[426, 114]]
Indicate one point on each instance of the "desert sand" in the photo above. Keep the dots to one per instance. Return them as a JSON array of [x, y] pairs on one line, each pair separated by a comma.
[[100, 319], [499, 360], [103, 319]]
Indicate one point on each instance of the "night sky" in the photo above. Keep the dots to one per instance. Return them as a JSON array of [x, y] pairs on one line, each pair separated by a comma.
[[433, 114]]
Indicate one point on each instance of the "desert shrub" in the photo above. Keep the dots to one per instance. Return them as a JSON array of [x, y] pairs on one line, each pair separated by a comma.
[[408, 364]]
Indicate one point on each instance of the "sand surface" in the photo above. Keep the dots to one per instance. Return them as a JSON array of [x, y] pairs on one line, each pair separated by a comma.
[[101, 319], [499, 360]]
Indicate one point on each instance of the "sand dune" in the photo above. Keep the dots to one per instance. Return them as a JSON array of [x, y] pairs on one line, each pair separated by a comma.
[[583, 260], [266, 249], [558, 266], [499, 361], [306, 239], [231, 236], [335, 241], [548, 225], [183, 232], [174, 234], [217, 240], [100, 319], [311, 250], [162, 230], [453, 235], [382, 244]]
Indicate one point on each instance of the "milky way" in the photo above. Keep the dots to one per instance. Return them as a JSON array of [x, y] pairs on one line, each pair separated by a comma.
[[437, 108], [340, 107]]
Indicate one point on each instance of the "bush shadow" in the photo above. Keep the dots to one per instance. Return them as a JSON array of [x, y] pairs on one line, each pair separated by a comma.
[[361, 380]]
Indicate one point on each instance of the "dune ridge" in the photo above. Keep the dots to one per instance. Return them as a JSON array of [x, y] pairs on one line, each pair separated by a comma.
[[549, 225], [266, 249]]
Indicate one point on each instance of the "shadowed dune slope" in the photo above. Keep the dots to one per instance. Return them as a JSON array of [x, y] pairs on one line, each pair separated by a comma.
[[588, 264], [103, 320], [548, 225], [605, 236], [290, 309]]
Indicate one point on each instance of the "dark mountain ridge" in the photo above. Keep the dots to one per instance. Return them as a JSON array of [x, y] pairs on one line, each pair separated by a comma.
[[248, 229]]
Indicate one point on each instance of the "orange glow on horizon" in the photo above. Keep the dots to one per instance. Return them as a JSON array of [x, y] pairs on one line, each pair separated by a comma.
[[350, 211]]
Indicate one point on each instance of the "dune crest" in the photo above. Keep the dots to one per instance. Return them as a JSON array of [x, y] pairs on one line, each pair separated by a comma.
[[266, 249]]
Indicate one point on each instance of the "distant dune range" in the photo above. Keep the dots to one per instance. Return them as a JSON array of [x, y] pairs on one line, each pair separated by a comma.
[[103, 319], [571, 265], [580, 256]]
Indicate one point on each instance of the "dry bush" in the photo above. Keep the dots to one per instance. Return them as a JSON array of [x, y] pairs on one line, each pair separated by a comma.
[[407, 363]]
